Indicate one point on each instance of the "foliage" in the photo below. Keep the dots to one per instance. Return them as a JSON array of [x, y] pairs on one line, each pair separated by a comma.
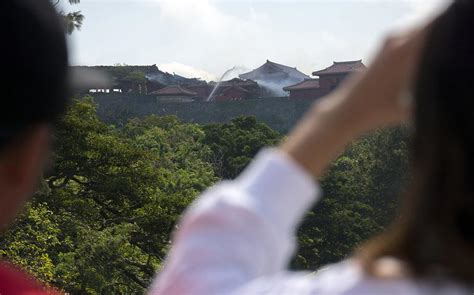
[[102, 220], [360, 198], [28, 242], [115, 196], [234, 144], [136, 77], [72, 20]]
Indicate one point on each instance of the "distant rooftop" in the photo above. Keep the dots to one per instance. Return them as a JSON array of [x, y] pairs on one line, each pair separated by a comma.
[[342, 67], [236, 87], [306, 84], [236, 81], [174, 90], [271, 67]]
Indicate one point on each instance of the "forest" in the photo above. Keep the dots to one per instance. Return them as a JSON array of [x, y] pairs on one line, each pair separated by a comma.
[[102, 219]]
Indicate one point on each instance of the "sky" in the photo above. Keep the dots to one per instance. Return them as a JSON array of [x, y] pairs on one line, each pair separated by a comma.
[[204, 38]]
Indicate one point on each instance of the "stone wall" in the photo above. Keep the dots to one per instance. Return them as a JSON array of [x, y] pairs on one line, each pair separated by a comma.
[[279, 113]]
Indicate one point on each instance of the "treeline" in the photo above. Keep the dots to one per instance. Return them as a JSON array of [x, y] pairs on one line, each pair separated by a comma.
[[102, 219]]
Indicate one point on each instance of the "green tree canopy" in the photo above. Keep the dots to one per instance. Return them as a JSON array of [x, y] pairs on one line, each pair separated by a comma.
[[361, 197], [104, 224], [234, 144], [102, 220], [72, 20]]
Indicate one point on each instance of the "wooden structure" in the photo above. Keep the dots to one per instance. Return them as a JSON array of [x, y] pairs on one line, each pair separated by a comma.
[[309, 88], [235, 89], [332, 76], [275, 76], [329, 79], [175, 93]]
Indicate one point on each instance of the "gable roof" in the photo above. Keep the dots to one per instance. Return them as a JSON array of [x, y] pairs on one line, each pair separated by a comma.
[[174, 90], [342, 67], [306, 84], [237, 82], [293, 73], [237, 87]]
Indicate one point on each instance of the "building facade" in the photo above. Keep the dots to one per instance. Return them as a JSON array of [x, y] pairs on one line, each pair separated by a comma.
[[309, 88], [235, 89], [328, 80], [175, 93], [275, 77]]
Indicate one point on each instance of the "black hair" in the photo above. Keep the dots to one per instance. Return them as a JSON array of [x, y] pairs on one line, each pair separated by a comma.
[[34, 59], [435, 233]]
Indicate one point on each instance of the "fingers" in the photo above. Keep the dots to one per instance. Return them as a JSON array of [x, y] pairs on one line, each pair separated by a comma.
[[382, 95]]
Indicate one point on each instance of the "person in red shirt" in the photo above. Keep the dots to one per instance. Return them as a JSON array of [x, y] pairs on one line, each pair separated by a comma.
[[34, 88], [15, 281]]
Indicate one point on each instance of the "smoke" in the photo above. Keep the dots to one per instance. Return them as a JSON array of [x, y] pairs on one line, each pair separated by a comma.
[[172, 79], [187, 71], [219, 82], [276, 88], [157, 78]]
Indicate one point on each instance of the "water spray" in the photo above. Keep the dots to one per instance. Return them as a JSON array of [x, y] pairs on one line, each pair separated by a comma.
[[219, 82]]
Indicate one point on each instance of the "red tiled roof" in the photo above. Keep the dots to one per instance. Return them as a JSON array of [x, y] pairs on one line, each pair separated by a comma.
[[174, 90], [342, 68], [234, 87], [291, 72], [237, 82], [306, 84]]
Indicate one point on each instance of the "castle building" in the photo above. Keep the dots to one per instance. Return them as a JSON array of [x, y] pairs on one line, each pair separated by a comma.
[[275, 76], [235, 89], [175, 93], [328, 80]]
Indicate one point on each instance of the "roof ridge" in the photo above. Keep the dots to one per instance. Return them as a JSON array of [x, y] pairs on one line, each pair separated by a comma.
[[292, 71], [310, 80], [227, 88], [342, 67], [177, 87], [282, 65], [297, 84], [347, 62]]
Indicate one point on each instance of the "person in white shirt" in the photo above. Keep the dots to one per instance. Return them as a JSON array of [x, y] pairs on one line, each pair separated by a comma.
[[239, 236]]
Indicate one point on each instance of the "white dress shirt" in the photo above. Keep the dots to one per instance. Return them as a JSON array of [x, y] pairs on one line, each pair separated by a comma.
[[239, 236]]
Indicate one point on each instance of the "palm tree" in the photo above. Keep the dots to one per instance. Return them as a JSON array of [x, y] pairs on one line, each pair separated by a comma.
[[72, 20]]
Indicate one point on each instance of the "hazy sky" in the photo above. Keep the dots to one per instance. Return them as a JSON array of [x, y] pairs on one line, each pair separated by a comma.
[[204, 37]]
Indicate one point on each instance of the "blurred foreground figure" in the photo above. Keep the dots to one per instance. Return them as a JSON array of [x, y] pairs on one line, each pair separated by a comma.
[[34, 92], [238, 237]]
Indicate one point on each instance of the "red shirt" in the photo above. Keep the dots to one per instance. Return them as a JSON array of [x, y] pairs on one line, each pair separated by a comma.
[[14, 281]]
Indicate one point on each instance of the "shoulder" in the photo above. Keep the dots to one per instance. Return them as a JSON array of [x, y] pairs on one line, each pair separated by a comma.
[[344, 278], [15, 281]]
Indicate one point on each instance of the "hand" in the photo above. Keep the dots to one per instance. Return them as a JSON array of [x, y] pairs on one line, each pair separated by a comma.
[[381, 95], [366, 101]]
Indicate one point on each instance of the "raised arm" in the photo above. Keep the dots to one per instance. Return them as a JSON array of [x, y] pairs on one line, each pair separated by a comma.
[[242, 230], [376, 98]]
